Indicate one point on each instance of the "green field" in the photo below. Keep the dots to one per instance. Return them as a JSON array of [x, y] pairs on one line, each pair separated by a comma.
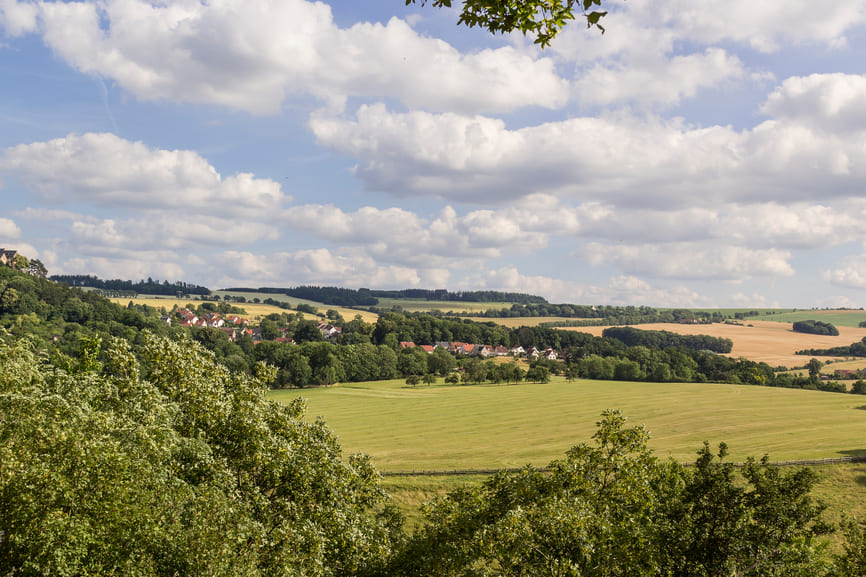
[[421, 305], [841, 318], [489, 426]]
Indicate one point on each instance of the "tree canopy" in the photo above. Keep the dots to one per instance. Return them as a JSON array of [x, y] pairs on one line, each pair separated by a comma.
[[541, 20]]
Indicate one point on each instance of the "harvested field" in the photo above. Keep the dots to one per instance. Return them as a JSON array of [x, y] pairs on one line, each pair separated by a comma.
[[770, 342]]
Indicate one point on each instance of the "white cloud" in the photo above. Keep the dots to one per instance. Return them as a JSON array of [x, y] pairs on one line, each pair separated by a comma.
[[849, 274], [831, 103], [399, 236], [690, 260], [665, 81], [131, 266], [621, 290], [252, 54], [9, 230], [106, 170], [619, 160], [170, 231], [17, 18], [320, 266]]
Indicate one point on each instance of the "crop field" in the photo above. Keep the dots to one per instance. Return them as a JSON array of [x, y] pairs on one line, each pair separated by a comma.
[[764, 341], [254, 311], [489, 426]]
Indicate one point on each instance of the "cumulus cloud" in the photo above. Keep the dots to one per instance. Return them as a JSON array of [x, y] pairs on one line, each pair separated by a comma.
[[690, 260], [320, 266], [128, 266], [848, 274], [252, 54], [664, 81], [104, 169], [170, 231], [619, 159], [401, 236], [620, 290], [9, 230], [831, 103]]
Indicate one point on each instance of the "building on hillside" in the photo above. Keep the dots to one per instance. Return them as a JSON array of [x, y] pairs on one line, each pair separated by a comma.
[[7, 257]]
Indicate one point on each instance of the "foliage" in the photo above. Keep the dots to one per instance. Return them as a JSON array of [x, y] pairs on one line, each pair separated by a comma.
[[664, 339], [815, 328], [174, 466], [150, 286], [539, 19], [614, 509], [857, 349]]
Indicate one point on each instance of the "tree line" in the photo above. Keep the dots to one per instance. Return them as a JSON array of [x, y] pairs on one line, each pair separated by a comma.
[[149, 286]]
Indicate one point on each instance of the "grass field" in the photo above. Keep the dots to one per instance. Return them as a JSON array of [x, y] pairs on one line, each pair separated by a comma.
[[421, 305], [515, 322], [465, 427], [840, 318], [765, 341]]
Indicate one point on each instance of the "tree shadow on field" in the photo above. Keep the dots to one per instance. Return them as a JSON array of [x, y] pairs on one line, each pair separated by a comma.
[[861, 408], [853, 453]]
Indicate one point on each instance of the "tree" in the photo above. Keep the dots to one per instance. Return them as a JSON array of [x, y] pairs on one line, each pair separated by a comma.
[[614, 509], [174, 466], [38, 269], [814, 367], [538, 374], [541, 20]]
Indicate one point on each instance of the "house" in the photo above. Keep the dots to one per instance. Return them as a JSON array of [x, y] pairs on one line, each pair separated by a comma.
[[230, 333], [407, 345], [428, 348], [329, 331], [286, 340], [500, 350], [7, 257], [166, 319], [484, 351], [549, 354], [532, 353], [517, 351]]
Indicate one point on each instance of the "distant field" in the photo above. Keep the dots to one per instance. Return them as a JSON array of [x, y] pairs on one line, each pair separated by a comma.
[[254, 312], [515, 322], [346, 313], [465, 427], [764, 341], [421, 305], [843, 318]]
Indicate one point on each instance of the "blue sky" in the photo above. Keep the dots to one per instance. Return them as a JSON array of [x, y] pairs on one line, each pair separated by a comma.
[[699, 153]]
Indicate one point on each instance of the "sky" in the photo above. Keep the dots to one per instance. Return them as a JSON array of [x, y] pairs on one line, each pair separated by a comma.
[[699, 153]]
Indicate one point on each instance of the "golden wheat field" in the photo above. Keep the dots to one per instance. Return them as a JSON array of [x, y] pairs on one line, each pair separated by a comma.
[[770, 342], [254, 311]]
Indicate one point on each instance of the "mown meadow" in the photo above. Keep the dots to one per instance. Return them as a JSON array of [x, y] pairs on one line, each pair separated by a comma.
[[458, 427]]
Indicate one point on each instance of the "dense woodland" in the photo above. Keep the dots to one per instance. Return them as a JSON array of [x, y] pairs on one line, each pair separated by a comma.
[[148, 287]]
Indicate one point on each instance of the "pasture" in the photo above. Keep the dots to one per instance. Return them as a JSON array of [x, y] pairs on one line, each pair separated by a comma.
[[840, 318], [497, 426], [764, 341], [490, 426]]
